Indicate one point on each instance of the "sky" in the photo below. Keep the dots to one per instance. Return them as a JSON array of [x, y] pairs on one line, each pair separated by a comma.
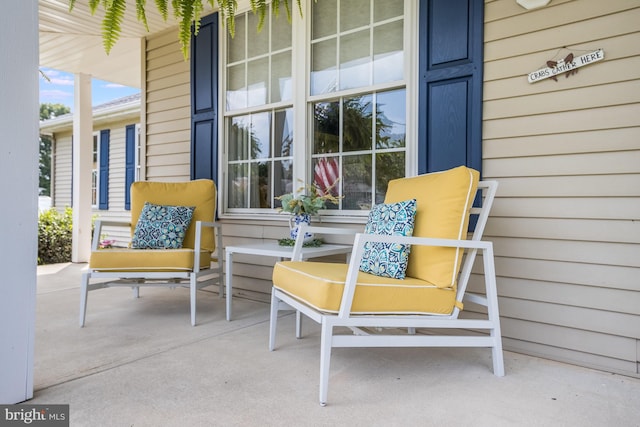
[[59, 90]]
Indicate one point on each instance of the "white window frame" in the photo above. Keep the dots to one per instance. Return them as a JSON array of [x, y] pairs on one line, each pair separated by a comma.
[[302, 107], [96, 172]]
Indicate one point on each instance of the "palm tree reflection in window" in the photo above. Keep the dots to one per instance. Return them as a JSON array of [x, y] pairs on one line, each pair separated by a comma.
[[370, 151]]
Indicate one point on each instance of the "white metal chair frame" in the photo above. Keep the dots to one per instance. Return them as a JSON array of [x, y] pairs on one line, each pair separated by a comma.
[[328, 321], [172, 279]]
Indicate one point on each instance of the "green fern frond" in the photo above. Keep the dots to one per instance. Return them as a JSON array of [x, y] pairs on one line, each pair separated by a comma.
[[227, 9], [197, 13], [93, 6], [112, 23], [185, 13], [141, 14], [163, 8], [72, 3], [259, 7]]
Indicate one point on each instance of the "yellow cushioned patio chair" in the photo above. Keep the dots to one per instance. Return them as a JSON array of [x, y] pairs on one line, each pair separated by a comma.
[[175, 242], [394, 311]]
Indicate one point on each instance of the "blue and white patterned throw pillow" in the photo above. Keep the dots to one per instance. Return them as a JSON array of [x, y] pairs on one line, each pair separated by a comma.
[[161, 227], [389, 259]]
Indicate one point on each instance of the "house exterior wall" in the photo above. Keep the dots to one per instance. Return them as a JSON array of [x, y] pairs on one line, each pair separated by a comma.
[[168, 111], [566, 154], [62, 176], [62, 170]]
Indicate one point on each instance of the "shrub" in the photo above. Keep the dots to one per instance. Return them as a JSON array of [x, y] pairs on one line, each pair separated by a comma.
[[55, 236]]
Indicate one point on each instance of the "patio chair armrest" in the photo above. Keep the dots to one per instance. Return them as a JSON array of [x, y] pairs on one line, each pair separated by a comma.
[[101, 222], [198, 243], [358, 253], [305, 228]]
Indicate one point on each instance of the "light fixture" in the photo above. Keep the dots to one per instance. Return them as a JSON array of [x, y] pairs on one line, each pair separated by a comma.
[[532, 4]]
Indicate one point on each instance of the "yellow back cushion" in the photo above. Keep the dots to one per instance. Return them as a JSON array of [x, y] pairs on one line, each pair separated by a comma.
[[200, 193], [444, 200]]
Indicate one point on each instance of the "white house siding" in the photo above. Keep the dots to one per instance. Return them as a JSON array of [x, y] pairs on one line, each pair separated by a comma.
[[61, 173], [566, 224], [168, 110], [567, 154]]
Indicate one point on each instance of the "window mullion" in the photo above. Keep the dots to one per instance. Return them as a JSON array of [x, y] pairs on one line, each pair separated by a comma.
[[301, 111]]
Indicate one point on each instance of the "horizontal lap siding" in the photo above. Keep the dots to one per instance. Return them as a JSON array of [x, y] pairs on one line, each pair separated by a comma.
[[63, 173], [168, 124], [566, 223]]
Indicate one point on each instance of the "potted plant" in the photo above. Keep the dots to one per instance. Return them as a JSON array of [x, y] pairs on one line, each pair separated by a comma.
[[304, 203]]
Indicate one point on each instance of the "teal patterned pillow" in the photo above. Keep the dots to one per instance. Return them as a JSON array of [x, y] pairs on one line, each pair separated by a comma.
[[389, 259], [161, 227]]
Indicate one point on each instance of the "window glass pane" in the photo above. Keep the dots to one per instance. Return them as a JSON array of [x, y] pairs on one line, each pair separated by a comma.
[[260, 135], [354, 14], [326, 171], [282, 179], [388, 166], [358, 123], [259, 44], [261, 185], [280, 32], [94, 187], [388, 54], [391, 119], [238, 185], [236, 45], [356, 182], [258, 77], [281, 89], [323, 18], [323, 67], [385, 9], [236, 88], [239, 133], [355, 63], [283, 133], [326, 128]]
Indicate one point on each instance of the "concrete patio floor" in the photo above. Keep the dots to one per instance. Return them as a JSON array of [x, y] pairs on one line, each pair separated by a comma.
[[141, 363]]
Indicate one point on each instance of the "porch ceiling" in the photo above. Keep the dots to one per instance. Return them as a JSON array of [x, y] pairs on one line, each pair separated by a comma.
[[72, 42]]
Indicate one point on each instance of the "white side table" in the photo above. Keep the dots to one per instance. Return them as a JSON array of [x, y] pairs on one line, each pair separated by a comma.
[[273, 249]]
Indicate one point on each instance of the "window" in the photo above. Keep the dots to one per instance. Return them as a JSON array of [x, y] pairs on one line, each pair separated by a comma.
[[95, 169], [353, 93]]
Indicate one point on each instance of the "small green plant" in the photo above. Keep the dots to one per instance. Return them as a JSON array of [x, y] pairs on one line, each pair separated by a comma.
[[309, 202], [55, 236]]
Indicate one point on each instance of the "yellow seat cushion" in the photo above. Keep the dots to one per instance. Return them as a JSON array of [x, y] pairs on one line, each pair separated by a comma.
[[200, 193], [321, 285], [444, 201], [144, 260]]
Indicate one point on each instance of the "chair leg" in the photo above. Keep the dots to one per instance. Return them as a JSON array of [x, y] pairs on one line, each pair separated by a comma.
[[193, 288], [136, 291], [84, 290], [275, 303], [298, 324], [325, 359]]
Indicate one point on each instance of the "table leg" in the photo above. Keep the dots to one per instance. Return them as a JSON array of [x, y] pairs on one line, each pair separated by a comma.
[[228, 277]]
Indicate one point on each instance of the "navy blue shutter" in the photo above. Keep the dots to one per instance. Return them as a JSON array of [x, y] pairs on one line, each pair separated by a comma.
[[129, 163], [450, 93], [204, 100], [103, 181]]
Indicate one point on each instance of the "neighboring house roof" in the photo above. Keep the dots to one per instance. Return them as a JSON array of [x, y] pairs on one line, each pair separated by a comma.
[[117, 109]]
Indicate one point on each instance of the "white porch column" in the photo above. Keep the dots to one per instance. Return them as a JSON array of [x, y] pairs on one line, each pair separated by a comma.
[[82, 165], [19, 195]]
